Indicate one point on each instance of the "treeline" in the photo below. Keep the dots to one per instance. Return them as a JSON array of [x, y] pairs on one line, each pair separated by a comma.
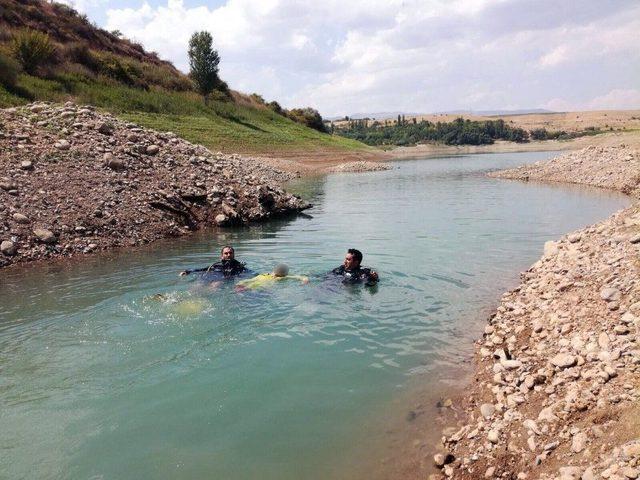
[[458, 132]]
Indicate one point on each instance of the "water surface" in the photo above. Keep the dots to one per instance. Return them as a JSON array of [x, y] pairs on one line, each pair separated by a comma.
[[99, 380]]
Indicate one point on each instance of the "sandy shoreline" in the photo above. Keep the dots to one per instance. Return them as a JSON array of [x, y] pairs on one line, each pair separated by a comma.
[[557, 373]]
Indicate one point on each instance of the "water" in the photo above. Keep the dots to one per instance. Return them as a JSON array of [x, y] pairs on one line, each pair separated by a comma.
[[99, 380]]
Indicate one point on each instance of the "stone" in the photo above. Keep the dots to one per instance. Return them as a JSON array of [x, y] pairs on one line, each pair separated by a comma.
[[7, 184], [630, 472], [44, 235], [550, 248], [532, 426], [221, 219], [578, 442], [487, 410], [574, 238], [635, 238], [493, 436], [609, 294], [603, 340], [26, 165], [152, 149], [547, 415], [20, 218], [489, 472], [564, 360], [62, 145], [511, 364], [106, 128], [114, 163], [8, 248]]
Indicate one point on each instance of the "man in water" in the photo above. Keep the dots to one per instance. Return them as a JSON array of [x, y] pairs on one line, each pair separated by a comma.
[[228, 266], [281, 272], [353, 272]]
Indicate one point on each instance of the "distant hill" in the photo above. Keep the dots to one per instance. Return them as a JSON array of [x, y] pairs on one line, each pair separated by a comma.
[[482, 113]]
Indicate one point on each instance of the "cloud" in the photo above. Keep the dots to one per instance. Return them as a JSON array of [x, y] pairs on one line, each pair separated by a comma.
[[412, 55], [617, 100]]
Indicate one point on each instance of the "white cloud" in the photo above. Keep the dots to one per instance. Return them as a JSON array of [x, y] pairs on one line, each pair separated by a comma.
[[617, 99], [413, 55]]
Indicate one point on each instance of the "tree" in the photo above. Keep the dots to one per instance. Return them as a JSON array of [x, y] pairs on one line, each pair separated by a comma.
[[203, 62]]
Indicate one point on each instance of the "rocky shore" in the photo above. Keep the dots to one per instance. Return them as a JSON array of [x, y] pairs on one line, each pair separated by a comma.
[[74, 181], [359, 167], [557, 382]]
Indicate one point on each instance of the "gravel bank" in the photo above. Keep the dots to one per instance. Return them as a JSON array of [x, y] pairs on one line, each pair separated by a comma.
[[557, 383], [75, 181]]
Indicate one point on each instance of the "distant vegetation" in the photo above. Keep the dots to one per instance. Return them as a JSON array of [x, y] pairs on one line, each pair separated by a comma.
[[458, 132], [50, 52]]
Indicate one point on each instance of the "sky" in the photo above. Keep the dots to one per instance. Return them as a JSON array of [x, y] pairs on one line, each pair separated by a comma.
[[364, 56]]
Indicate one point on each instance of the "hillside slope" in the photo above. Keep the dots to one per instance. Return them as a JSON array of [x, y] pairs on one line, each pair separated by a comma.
[[96, 67]]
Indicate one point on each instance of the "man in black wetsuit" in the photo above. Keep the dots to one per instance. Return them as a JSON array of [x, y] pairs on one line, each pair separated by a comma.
[[353, 272], [228, 266]]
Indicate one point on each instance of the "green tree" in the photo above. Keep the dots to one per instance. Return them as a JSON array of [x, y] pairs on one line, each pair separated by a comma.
[[203, 62]]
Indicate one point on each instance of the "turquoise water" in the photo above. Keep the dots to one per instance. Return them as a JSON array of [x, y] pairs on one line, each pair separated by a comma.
[[100, 380]]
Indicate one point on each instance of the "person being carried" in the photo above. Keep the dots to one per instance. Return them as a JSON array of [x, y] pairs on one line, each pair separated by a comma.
[[228, 266], [264, 280], [352, 271]]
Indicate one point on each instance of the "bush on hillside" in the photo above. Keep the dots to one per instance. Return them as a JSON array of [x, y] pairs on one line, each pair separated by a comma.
[[309, 117], [33, 50], [79, 52], [9, 70]]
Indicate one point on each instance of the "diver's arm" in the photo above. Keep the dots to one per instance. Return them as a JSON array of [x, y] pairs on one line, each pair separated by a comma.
[[195, 270]]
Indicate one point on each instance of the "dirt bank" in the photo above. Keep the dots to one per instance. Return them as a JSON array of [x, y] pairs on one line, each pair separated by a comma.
[[557, 379], [75, 181]]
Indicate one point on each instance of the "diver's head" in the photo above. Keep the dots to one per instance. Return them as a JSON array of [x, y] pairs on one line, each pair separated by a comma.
[[353, 259], [281, 270], [227, 253]]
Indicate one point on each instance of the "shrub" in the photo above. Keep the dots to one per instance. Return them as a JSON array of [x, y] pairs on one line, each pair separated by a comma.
[[9, 70], [309, 117], [33, 50], [79, 52]]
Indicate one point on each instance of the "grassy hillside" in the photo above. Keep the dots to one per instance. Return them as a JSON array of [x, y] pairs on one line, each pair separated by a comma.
[[89, 65], [227, 126]]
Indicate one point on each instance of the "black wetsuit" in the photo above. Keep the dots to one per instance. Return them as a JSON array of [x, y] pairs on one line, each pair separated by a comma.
[[355, 275], [227, 268]]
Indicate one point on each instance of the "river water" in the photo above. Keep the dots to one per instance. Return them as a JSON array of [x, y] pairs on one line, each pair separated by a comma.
[[99, 379]]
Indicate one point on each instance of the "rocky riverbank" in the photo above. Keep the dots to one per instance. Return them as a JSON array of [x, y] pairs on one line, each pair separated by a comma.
[[557, 385], [74, 181]]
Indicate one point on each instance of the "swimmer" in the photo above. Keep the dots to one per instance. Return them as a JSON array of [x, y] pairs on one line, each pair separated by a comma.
[[353, 272], [264, 280], [228, 266]]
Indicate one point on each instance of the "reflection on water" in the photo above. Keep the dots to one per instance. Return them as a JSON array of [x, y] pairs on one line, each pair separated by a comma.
[[115, 367]]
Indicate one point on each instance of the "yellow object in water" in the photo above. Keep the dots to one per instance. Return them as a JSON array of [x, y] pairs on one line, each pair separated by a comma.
[[187, 308], [265, 280]]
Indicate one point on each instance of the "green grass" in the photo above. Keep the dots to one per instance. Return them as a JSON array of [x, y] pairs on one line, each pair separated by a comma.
[[221, 125]]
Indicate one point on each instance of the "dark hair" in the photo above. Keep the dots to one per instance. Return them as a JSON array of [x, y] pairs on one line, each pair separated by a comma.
[[227, 246], [357, 254]]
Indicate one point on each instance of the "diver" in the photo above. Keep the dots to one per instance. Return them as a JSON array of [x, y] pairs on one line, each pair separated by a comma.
[[352, 272], [281, 272], [228, 266]]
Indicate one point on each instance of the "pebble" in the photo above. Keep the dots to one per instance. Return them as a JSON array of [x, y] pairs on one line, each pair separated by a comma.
[[578, 442], [8, 248], [487, 410], [564, 360], [609, 294], [44, 235], [20, 218], [62, 145], [493, 436], [152, 149]]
